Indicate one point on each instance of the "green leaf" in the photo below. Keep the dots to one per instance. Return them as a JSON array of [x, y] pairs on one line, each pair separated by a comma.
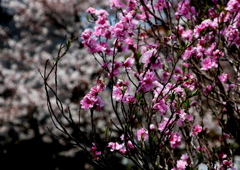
[[195, 93]]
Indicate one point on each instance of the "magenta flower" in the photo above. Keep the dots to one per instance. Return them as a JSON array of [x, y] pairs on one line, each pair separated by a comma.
[[206, 24], [208, 63], [142, 134]]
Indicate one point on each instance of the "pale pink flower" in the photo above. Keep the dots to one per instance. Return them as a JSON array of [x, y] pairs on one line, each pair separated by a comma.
[[152, 127], [184, 157], [142, 134], [117, 93], [181, 164]]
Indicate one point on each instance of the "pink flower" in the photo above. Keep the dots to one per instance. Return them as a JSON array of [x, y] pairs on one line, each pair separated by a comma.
[[92, 100], [128, 63], [160, 5], [114, 146], [142, 134], [187, 35], [185, 9], [152, 127], [196, 129], [184, 157], [187, 53], [147, 80], [130, 99], [120, 90], [161, 107], [223, 78], [232, 34], [99, 87], [175, 139], [88, 101], [208, 63], [117, 4], [165, 124], [206, 24], [91, 10], [233, 6], [181, 164], [150, 58], [114, 70], [121, 147], [95, 153], [207, 89]]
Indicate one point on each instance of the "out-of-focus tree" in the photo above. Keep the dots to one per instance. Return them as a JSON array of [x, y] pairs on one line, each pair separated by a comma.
[[30, 33]]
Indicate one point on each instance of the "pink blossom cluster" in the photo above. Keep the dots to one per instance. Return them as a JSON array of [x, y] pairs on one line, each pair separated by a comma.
[[173, 80], [182, 163], [123, 148], [92, 100], [95, 152]]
